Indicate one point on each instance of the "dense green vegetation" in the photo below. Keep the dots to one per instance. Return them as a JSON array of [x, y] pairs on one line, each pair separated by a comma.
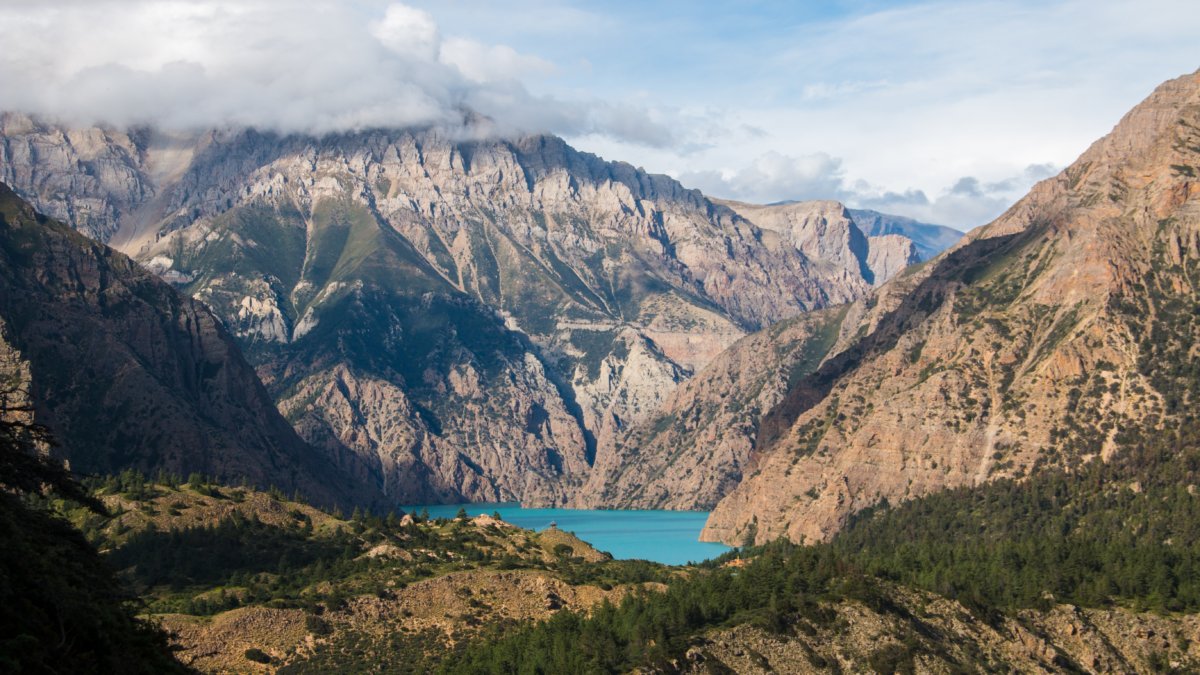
[[1127, 531], [779, 589], [295, 556], [62, 610]]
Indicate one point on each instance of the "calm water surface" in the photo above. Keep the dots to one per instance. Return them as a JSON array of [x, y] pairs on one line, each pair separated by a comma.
[[662, 536]]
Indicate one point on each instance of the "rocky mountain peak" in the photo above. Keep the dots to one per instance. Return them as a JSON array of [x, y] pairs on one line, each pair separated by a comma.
[[1032, 343]]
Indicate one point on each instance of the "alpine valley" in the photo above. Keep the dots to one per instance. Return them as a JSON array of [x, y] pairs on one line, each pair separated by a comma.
[[932, 452]]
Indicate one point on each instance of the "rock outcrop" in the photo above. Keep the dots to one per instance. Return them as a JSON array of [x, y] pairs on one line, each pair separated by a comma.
[[128, 373], [1032, 343], [889, 255]]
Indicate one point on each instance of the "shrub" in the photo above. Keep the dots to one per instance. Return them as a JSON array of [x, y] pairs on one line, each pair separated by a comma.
[[257, 655]]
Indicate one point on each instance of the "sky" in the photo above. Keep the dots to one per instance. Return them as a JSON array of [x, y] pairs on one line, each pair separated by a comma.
[[942, 111]]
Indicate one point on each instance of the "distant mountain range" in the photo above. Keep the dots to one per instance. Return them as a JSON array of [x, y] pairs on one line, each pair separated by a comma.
[[930, 240]]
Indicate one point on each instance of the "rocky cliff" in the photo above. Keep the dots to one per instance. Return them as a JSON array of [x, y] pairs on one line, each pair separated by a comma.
[[476, 319], [694, 449], [127, 373], [1035, 342], [827, 233]]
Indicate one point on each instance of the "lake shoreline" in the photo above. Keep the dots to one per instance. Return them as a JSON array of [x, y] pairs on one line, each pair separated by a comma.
[[668, 537]]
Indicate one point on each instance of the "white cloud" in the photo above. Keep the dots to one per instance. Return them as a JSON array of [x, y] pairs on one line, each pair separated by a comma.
[[312, 67], [886, 103], [775, 177], [966, 203], [491, 63], [910, 96], [408, 32]]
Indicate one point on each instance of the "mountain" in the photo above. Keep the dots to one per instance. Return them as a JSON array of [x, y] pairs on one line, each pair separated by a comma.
[[61, 608], [128, 373], [695, 449], [1041, 340], [825, 232], [475, 319], [929, 240], [691, 452]]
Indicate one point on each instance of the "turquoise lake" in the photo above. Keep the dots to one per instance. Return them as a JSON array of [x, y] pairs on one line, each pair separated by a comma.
[[662, 536]]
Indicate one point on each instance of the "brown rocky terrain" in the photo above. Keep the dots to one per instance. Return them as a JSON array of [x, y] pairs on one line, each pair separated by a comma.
[[926, 634], [440, 610], [697, 447], [407, 589], [694, 450], [826, 233], [126, 372], [1032, 343]]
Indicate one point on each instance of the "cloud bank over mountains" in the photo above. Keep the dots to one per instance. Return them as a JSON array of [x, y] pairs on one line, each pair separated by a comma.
[[945, 111], [292, 67], [776, 177]]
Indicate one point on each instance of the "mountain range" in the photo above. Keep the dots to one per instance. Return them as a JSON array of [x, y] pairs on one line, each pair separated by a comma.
[[479, 320], [494, 320]]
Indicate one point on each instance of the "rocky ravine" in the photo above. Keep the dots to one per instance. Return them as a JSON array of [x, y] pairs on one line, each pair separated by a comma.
[[697, 448], [127, 373], [1032, 343], [476, 320]]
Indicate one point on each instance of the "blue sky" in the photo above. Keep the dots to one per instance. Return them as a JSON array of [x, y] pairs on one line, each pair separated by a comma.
[[945, 111]]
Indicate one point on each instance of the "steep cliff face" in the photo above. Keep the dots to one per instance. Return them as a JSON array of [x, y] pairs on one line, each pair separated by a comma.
[[127, 373], [1034, 342], [476, 319], [695, 448], [822, 230], [829, 234], [90, 178], [889, 255]]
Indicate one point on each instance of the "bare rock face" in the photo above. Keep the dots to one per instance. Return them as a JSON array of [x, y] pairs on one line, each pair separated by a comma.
[[127, 373], [890, 254], [91, 177], [829, 234], [821, 230], [473, 320], [696, 448], [1033, 343]]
